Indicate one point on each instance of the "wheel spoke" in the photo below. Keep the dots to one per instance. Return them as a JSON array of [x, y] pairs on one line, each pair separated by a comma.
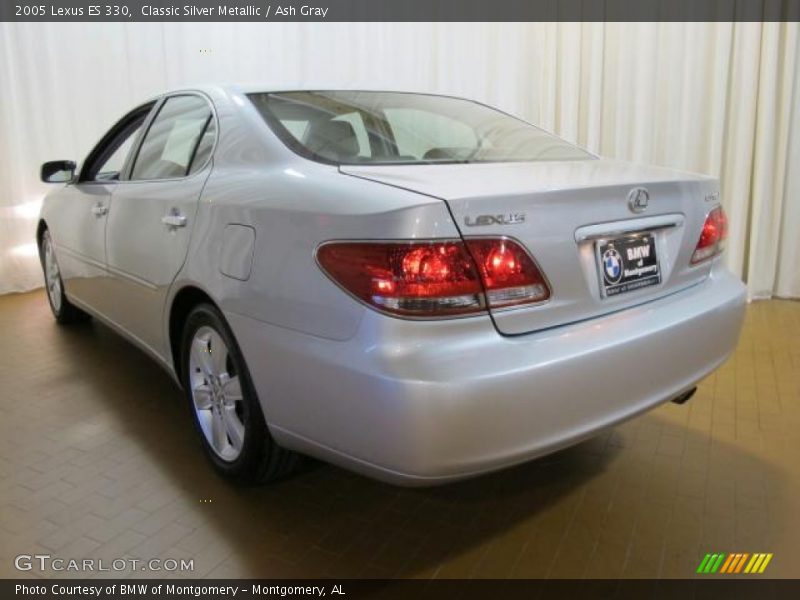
[[200, 355], [232, 387], [205, 418], [202, 396], [218, 433], [233, 427], [218, 354]]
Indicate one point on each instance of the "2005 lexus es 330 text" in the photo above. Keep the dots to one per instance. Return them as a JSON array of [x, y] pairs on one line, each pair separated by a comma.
[[417, 287]]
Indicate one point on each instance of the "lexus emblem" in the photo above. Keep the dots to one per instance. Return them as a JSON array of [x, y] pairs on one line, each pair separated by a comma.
[[638, 199]]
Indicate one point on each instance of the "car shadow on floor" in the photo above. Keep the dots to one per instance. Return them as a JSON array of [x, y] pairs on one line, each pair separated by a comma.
[[625, 502]]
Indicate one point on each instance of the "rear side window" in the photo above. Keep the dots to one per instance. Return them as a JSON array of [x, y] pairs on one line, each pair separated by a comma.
[[179, 137]]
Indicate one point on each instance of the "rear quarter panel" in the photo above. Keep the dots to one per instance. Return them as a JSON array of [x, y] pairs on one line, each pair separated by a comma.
[[293, 208]]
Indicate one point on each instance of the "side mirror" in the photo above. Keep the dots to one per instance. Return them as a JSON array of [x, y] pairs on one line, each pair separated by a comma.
[[58, 171]]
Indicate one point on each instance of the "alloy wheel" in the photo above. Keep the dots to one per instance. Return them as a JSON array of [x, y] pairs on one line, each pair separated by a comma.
[[51, 273], [216, 392]]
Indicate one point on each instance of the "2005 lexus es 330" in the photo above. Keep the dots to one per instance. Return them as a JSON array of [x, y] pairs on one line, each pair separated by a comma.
[[420, 288]]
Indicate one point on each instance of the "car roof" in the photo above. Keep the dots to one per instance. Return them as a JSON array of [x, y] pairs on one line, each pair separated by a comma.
[[213, 89]]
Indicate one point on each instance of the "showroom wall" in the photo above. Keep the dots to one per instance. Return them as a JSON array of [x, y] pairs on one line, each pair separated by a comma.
[[718, 98]]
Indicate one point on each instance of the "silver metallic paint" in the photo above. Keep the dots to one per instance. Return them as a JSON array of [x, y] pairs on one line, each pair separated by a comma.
[[408, 401]]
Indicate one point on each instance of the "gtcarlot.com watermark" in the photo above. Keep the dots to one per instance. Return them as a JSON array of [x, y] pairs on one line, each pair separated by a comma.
[[47, 562]]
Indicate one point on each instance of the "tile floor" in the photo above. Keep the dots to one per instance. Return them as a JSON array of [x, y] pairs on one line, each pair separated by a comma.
[[98, 460]]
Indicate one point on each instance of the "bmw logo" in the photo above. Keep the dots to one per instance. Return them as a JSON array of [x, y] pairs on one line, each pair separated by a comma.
[[612, 265]]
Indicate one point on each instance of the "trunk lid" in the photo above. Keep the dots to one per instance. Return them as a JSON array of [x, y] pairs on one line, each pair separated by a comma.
[[562, 212]]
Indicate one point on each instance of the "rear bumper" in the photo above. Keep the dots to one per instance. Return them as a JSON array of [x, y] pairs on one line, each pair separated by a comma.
[[423, 403]]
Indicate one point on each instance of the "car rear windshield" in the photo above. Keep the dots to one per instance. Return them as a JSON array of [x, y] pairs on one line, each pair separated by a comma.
[[350, 127]]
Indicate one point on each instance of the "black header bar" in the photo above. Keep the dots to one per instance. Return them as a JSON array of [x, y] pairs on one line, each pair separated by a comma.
[[397, 10]]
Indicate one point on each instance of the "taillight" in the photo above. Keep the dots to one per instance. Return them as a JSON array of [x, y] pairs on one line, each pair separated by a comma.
[[713, 236], [435, 278], [406, 278], [509, 275]]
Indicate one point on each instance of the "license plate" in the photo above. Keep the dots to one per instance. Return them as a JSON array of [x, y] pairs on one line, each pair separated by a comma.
[[627, 263]]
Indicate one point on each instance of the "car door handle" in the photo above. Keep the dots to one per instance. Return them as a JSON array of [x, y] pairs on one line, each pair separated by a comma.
[[174, 220], [99, 210]]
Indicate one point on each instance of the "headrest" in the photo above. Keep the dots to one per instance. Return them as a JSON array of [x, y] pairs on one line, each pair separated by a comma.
[[332, 139]]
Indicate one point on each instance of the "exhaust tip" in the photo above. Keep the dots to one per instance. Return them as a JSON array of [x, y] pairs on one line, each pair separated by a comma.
[[684, 397]]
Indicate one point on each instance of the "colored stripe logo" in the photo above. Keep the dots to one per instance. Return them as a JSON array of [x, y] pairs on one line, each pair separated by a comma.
[[737, 562]]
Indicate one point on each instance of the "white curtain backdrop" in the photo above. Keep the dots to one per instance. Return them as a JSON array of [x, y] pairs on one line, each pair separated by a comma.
[[717, 98]]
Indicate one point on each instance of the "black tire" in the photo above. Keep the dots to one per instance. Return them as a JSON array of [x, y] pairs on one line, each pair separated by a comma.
[[260, 459], [63, 310]]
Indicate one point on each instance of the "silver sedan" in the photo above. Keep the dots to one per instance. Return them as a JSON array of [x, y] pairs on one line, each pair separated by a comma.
[[420, 288]]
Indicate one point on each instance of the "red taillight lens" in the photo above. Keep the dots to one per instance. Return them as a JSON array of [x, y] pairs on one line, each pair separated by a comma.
[[713, 236], [434, 278], [509, 274], [406, 278]]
